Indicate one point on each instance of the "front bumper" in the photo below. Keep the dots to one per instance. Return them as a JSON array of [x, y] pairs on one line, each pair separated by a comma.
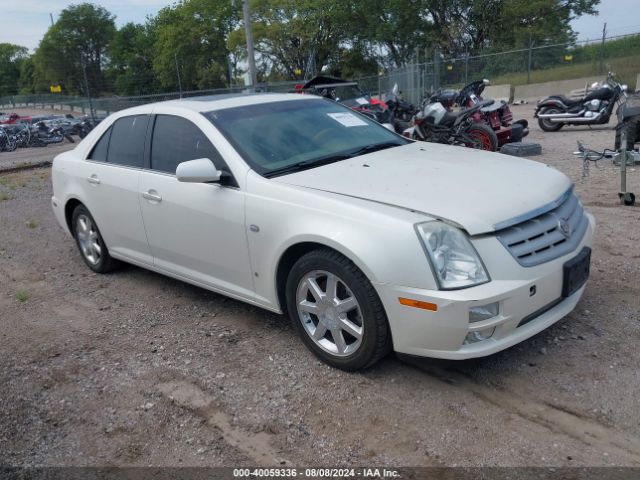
[[442, 333]]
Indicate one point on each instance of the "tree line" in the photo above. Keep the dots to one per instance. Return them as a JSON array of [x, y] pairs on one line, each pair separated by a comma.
[[200, 44]]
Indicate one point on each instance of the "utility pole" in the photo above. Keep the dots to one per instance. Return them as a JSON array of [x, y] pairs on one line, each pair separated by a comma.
[[86, 87], [436, 68], [466, 64], [175, 57], [529, 61], [51, 17], [248, 31], [604, 35]]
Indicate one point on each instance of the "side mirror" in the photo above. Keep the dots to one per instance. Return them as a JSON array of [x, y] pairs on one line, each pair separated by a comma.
[[201, 170]]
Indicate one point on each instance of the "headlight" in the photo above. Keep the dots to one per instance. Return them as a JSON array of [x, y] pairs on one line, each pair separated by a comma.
[[454, 260]]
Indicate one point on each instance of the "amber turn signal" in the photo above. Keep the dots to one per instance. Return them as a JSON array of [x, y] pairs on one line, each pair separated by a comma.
[[418, 304]]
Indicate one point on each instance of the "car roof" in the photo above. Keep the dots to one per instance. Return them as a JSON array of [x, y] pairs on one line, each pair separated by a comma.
[[210, 103]]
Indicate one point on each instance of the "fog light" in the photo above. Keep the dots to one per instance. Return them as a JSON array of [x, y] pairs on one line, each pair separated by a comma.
[[483, 312], [479, 335]]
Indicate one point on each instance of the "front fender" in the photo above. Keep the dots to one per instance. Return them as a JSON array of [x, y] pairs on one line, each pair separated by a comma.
[[379, 239]]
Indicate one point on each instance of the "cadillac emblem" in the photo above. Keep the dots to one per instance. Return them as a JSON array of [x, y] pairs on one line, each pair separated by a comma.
[[564, 227]]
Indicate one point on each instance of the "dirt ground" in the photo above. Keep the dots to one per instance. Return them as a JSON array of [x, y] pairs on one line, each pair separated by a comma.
[[133, 368]]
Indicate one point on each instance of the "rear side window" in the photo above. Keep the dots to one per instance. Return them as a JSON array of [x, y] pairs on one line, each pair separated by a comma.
[[99, 152], [176, 140], [126, 146]]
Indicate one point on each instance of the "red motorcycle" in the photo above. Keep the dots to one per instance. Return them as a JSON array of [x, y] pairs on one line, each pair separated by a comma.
[[497, 115]]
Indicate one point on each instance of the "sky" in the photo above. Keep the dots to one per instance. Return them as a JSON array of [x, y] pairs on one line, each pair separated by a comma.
[[24, 22]]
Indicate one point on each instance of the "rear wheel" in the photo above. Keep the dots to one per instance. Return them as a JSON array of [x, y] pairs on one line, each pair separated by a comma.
[[94, 252], [546, 124], [336, 311], [484, 138]]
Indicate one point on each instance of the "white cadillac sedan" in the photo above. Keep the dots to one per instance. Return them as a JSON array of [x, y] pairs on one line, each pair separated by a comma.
[[296, 204]]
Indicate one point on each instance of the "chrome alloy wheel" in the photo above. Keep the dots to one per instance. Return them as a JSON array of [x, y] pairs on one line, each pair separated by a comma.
[[330, 313], [88, 238]]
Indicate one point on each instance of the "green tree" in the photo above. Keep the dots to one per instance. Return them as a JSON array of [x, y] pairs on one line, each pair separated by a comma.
[[394, 29], [477, 25], [78, 40], [131, 55], [11, 58], [289, 35], [193, 33]]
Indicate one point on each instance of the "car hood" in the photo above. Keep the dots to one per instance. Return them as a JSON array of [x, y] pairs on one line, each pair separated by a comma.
[[474, 189]]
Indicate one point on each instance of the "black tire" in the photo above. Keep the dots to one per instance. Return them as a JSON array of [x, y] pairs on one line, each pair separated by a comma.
[[546, 125], [484, 137], [376, 337], [104, 263], [631, 129]]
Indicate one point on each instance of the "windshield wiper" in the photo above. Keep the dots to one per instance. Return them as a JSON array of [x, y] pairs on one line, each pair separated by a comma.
[[374, 148], [297, 167], [317, 162]]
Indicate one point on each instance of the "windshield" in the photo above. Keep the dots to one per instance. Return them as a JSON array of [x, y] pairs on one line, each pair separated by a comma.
[[279, 137]]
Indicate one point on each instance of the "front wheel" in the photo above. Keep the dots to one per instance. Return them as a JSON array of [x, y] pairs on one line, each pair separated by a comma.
[[336, 311], [482, 137], [546, 124]]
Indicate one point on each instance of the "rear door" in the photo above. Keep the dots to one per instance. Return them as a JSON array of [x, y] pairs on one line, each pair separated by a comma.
[[110, 177], [195, 230]]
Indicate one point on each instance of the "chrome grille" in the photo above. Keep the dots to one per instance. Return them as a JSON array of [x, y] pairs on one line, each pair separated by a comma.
[[548, 236]]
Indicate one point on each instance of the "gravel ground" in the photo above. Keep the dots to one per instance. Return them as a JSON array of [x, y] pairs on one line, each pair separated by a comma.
[[133, 368]]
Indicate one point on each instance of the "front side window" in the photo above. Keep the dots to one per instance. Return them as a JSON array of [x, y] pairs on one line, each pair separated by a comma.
[[126, 146], [278, 137], [177, 140]]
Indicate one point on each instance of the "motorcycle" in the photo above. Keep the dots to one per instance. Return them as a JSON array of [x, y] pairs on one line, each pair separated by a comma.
[[595, 108], [496, 115], [435, 123], [401, 112], [7, 141], [43, 135]]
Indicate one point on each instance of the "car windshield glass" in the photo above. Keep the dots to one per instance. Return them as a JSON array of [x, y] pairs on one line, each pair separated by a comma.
[[280, 137]]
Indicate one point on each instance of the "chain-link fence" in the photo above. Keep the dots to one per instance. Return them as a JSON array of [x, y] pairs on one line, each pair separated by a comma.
[[106, 105], [531, 64], [534, 64]]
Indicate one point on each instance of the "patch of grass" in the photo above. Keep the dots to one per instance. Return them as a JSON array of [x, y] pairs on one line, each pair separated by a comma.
[[32, 224], [625, 67], [5, 196], [22, 296]]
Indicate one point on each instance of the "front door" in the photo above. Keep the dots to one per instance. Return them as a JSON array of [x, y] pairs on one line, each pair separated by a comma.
[[195, 230]]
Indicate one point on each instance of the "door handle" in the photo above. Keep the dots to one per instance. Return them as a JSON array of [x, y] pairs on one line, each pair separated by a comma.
[[93, 179], [152, 195]]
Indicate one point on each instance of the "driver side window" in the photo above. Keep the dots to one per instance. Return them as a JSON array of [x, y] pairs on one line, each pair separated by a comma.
[[176, 140]]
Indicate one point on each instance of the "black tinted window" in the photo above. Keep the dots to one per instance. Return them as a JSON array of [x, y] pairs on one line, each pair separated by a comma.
[[99, 152], [126, 146], [177, 140]]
